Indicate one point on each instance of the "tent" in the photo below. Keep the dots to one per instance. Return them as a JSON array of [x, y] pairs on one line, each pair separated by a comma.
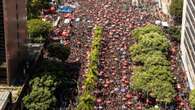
[[65, 9]]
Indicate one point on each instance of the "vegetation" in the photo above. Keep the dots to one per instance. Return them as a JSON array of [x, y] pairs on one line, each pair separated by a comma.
[[151, 58], [38, 30], [192, 99], [156, 58], [59, 51], [174, 32], [176, 9], [86, 100], [152, 76], [42, 95], [34, 7], [163, 91], [91, 74], [49, 82], [155, 41], [136, 33]]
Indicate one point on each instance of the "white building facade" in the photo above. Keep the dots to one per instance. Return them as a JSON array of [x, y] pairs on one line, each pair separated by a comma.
[[164, 5], [188, 41]]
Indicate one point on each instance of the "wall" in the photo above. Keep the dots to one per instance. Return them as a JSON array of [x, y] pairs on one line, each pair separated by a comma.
[[15, 35], [188, 41]]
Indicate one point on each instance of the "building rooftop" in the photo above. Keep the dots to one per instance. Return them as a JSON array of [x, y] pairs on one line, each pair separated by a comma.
[[4, 99], [14, 90]]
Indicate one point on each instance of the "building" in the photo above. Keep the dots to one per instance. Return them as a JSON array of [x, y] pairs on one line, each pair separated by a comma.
[[12, 39], [5, 98], [164, 5], [188, 41]]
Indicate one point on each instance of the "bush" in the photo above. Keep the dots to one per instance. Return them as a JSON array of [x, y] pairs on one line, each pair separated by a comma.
[[153, 77], [163, 91], [150, 42], [155, 41], [90, 80], [192, 99], [174, 32], [40, 99], [138, 49], [157, 88], [160, 72], [151, 58], [156, 58], [91, 74], [42, 95], [59, 51], [139, 81], [86, 101], [142, 75], [136, 33], [38, 30], [46, 81]]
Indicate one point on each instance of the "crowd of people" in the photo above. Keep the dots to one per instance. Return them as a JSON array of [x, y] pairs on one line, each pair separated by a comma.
[[113, 91], [118, 18]]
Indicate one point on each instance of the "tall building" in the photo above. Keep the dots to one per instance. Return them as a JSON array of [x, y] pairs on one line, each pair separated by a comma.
[[12, 38], [188, 40], [164, 5]]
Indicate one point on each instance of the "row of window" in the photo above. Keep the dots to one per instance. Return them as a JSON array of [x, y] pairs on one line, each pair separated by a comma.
[[189, 58], [2, 39], [189, 40]]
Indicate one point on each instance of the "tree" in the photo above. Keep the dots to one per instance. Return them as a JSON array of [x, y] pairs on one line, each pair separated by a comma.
[[34, 7], [38, 30], [156, 58], [47, 80], [163, 91], [192, 99], [42, 95], [157, 88], [155, 41], [39, 99], [59, 51], [86, 101], [151, 58], [176, 9], [137, 49], [136, 33]]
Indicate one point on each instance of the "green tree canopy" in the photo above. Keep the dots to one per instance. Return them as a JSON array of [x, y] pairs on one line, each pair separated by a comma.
[[34, 7], [38, 30], [151, 58], [155, 41], [42, 95], [59, 51], [86, 101], [39, 99], [136, 33], [151, 84], [163, 91]]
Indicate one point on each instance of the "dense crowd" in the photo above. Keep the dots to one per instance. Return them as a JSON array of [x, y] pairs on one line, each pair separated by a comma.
[[118, 18]]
